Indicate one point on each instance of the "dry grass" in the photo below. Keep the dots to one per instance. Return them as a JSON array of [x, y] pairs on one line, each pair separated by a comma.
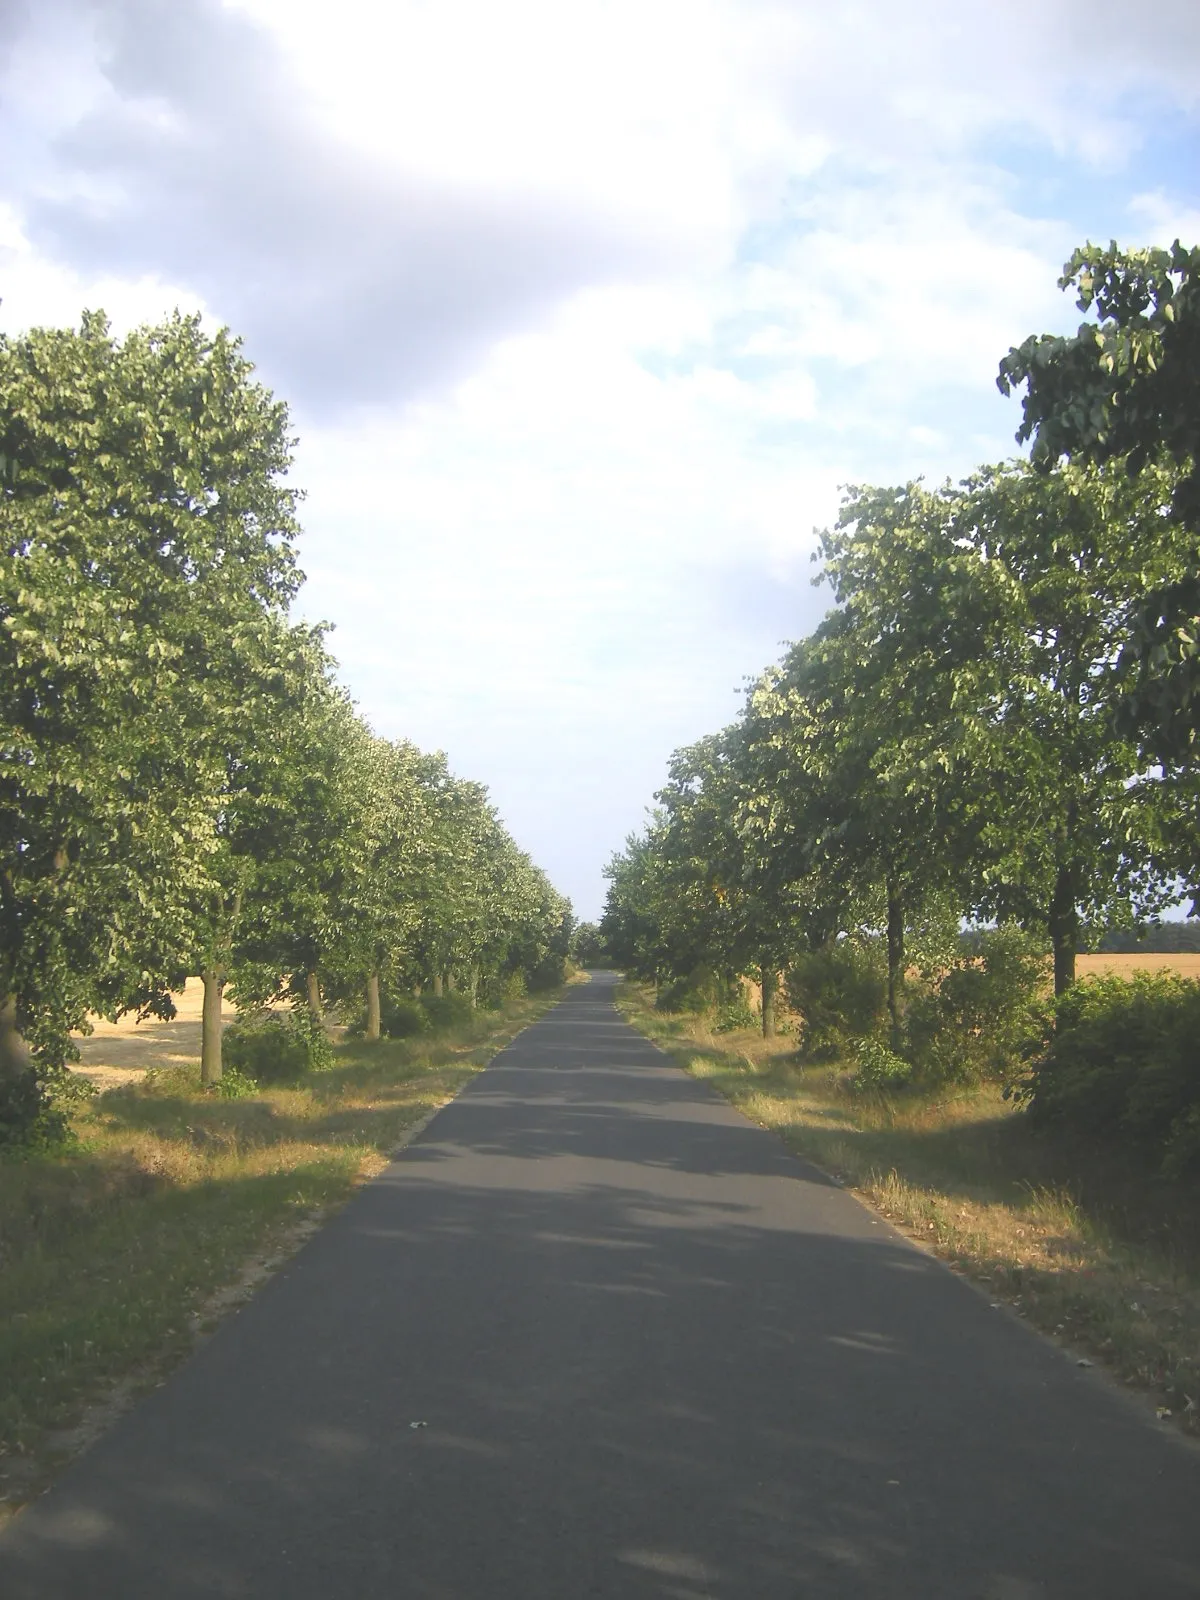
[[1096, 1253], [1186, 963], [118, 1252]]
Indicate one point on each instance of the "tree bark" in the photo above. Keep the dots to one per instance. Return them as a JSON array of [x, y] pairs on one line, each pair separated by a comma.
[[15, 1060], [437, 984], [373, 1018], [770, 986], [210, 1028], [473, 988], [451, 983], [312, 985], [895, 956], [1064, 929]]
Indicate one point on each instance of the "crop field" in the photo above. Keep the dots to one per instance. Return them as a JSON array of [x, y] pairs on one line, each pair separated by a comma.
[[1186, 963]]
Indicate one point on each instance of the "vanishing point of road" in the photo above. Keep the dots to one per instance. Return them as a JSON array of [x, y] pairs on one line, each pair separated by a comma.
[[594, 1335]]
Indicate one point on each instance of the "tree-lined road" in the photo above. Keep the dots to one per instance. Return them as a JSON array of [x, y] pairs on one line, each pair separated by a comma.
[[594, 1334]]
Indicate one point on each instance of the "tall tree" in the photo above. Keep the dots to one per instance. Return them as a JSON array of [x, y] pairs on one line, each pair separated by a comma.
[[1126, 387], [145, 527], [1076, 829]]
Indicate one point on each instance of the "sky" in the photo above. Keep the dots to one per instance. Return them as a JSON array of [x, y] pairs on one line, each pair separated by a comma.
[[584, 312]]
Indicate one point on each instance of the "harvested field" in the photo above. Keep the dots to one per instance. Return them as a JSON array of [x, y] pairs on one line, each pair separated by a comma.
[[1185, 962], [115, 1053]]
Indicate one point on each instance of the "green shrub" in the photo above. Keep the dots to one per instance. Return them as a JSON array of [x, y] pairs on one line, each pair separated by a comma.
[[697, 991], [975, 1018], [840, 992], [549, 972], [499, 989], [1124, 1062], [275, 1047], [879, 1067], [446, 1012], [734, 1013], [235, 1085], [30, 1118], [402, 1017]]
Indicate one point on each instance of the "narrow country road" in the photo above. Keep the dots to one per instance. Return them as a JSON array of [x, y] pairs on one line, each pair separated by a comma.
[[594, 1335]]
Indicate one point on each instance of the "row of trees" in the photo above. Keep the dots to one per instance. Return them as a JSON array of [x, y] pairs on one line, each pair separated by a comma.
[[997, 719], [184, 787]]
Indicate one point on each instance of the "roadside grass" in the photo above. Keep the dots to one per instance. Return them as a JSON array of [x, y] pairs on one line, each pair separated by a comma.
[[1091, 1249], [118, 1252]]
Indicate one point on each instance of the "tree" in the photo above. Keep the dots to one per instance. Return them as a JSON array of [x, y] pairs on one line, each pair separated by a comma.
[[1077, 830], [267, 900], [632, 925], [144, 526], [587, 945], [879, 703], [1127, 388], [378, 913]]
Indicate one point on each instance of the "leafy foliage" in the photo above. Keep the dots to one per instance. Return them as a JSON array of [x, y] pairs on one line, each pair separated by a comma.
[[272, 1047], [978, 1015], [184, 788], [1124, 1062], [840, 991], [877, 1066], [1127, 388]]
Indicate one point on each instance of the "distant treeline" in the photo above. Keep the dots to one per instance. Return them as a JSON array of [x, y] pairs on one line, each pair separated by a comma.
[[1155, 938]]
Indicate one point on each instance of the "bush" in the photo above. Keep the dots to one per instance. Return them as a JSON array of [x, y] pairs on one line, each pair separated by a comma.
[[878, 1067], [500, 989], [840, 992], [976, 1017], [696, 992], [734, 1013], [29, 1117], [275, 1047], [1124, 1062], [235, 1085], [446, 1012], [549, 972], [402, 1017]]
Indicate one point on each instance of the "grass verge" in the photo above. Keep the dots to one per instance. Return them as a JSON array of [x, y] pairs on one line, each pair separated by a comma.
[[1092, 1250], [118, 1252]]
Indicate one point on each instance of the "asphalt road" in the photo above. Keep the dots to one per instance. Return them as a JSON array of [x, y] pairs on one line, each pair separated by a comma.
[[594, 1335]]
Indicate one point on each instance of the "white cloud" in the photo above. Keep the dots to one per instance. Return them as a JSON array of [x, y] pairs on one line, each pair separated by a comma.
[[1162, 219], [586, 311], [36, 292]]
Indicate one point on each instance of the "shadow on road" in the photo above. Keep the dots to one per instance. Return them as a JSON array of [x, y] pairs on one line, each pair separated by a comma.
[[595, 1335]]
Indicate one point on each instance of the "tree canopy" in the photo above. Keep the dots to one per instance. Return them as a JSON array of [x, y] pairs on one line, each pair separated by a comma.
[[184, 787], [1126, 388]]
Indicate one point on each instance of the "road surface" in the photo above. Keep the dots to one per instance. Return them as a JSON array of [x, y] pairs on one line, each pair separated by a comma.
[[595, 1335]]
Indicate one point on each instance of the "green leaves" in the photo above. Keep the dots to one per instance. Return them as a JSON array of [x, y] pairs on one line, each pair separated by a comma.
[[183, 786], [947, 743], [1127, 388]]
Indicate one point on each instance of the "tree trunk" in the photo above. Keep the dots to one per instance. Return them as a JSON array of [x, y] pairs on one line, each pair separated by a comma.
[[15, 1060], [312, 985], [437, 985], [416, 991], [1064, 929], [210, 1028], [473, 987], [451, 983], [770, 985], [373, 1019], [895, 956]]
